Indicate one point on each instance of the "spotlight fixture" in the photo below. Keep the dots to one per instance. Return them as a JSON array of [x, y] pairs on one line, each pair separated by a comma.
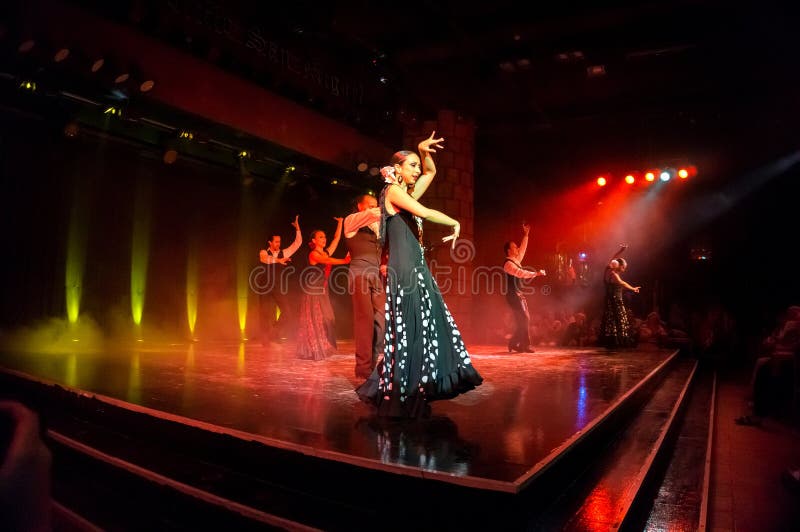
[[362, 167], [185, 134], [630, 179], [507, 66], [596, 71], [374, 171], [377, 58], [170, 156], [650, 176], [147, 85], [71, 130], [701, 254], [288, 176], [26, 46], [97, 64], [113, 111], [61, 55], [683, 173], [124, 73], [28, 85], [601, 181], [244, 154], [574, 55], [334, 181], [664, 176]]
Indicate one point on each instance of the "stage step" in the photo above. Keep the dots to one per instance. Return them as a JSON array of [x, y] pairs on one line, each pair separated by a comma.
[[681, 501], [605, 495], [242, 485], [216, 478], [251, 478], [110, 494]]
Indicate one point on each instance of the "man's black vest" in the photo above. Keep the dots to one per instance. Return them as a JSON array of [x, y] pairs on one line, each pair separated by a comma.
[[364, 249], [513, 283], [272, 273]]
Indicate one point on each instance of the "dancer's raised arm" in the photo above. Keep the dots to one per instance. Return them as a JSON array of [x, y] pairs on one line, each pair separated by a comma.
[[337, 235], [426, 148]]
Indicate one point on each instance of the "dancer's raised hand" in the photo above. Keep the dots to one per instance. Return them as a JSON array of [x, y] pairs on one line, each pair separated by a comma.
[[427, 145]]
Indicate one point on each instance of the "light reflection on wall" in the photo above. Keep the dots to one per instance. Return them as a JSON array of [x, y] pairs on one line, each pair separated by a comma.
[[242, 293], [191, 285], [245, 257], [77, 236], [76, 256], [140, 249]]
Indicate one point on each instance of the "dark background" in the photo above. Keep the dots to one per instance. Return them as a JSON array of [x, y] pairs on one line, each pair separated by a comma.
[[699, 83]]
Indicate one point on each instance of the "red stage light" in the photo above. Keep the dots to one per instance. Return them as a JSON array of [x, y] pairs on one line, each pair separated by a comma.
[[683, 173], [650, 176], [601, 181], [629, 179]]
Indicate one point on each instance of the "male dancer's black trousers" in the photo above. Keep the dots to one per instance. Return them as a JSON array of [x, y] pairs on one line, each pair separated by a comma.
[[369, 302], [519, 307]]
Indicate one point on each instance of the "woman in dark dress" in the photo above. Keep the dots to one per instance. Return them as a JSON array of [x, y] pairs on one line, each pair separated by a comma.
[[425, 358], [615, 327], [316, 337]]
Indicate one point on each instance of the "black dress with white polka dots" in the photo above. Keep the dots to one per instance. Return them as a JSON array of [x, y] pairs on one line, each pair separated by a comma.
[[425, 358]]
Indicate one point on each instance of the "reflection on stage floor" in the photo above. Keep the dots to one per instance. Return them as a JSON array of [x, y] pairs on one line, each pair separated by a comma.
[[528, 405]]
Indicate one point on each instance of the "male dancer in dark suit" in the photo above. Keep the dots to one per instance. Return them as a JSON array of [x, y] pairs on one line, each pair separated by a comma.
[[366, 283], [520, 340], [274, 290]]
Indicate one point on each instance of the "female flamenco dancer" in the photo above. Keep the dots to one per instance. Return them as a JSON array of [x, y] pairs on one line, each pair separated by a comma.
[[425, 358], [615, 328], [316, 337]]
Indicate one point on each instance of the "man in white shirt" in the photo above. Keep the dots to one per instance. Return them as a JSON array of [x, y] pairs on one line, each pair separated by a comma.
[[515, 273], [273, 287], [366, 284]]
